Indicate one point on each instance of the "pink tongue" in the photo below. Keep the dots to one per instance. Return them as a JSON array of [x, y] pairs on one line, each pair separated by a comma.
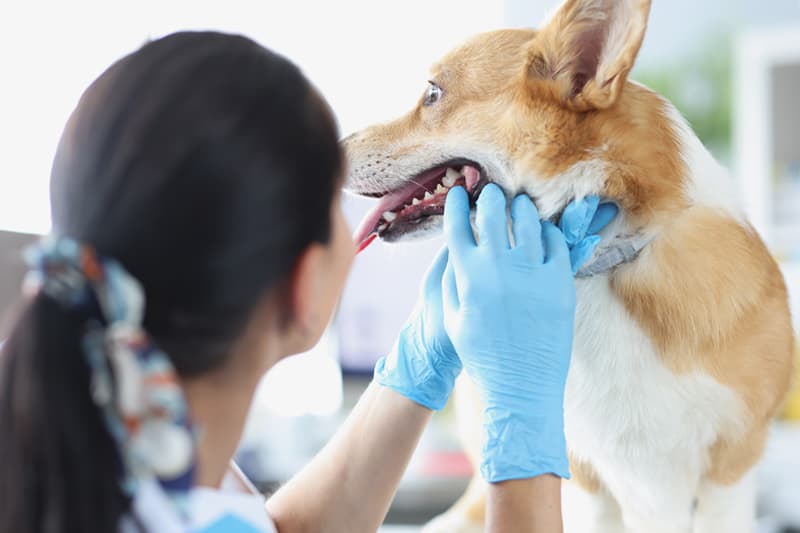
[[364, 234], [367, 231], [472, 176]]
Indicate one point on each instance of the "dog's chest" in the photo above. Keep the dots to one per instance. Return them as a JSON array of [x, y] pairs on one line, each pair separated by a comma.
[[624, 409]]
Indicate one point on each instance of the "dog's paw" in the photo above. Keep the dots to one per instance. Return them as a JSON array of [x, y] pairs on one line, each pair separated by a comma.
[[452, 523]]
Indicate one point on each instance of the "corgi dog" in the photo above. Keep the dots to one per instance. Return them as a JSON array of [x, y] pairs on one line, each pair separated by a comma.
[[682, 350]]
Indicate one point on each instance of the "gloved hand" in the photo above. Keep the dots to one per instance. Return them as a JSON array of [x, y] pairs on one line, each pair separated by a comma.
[[509, 312], [423, 364], [580, 222]]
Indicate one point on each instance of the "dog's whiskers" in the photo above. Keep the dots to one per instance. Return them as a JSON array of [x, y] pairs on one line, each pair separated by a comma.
[[421, 186]]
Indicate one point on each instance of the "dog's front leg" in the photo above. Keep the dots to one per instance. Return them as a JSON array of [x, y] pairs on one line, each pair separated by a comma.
[[662, 510], [727, 508], [587, 505]]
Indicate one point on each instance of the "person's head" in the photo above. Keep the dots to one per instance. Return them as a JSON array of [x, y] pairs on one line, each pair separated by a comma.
[[209, 168]]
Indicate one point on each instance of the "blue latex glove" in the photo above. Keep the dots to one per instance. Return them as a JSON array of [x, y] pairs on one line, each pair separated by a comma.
[[423, 364], [509, 313], [580, 222]]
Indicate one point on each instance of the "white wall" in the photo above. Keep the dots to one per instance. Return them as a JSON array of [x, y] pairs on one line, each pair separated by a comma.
[[369, 58]]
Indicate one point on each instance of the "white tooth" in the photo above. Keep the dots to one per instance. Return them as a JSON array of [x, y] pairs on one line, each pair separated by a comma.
[[450, 177], [440, 189], [415, 201], [428, 195], [383, 227], [461, 171], [388, 216]]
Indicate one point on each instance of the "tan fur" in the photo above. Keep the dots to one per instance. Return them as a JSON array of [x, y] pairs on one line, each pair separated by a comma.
[[585, 476], [557, 62], [680, 292], [732, 457]]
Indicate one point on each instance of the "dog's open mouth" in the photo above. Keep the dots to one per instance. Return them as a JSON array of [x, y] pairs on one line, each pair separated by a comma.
[[404, 210]]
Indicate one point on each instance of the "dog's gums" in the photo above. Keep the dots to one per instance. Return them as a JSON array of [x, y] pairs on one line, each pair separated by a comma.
[[401, 211]]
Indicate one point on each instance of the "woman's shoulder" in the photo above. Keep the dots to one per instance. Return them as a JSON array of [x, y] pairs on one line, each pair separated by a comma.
[[209, 511]]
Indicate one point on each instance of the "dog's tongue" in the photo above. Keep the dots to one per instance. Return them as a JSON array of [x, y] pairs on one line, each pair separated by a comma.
[[366, 242], [471, 175], [367, 231]]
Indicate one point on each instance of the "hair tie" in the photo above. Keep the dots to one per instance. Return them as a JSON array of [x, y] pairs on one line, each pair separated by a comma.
[[133, 382]]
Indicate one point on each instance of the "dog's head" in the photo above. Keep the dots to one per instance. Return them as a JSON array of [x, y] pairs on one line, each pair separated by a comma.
[[549, 112]]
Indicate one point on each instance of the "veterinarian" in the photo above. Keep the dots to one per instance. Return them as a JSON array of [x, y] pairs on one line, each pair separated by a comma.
[[197, 240]]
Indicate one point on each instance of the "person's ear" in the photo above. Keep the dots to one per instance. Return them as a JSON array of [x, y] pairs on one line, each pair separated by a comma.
[[305, 288], [585, 52]]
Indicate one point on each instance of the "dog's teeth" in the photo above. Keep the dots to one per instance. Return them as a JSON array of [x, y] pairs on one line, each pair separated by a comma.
[[383, 227], [462, 170], [428, 195], [450, 177], [415, 201], [388, 216], [440, 189]]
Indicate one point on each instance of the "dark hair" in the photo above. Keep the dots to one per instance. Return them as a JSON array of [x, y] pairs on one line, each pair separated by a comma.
[[205, 165]]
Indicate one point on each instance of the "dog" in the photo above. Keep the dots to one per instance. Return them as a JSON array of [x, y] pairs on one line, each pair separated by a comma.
[[683, 347]]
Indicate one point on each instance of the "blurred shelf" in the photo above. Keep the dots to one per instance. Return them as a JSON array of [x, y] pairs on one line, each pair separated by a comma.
[[766, 129]]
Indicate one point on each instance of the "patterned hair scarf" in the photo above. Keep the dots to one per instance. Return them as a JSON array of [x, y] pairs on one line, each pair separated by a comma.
[[132, 382]]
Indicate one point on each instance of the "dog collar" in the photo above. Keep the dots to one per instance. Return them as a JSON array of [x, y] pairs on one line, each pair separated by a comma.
[[623, 249]]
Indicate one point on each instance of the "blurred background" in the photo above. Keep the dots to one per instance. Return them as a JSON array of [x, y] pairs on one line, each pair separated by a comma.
[[731, 66]]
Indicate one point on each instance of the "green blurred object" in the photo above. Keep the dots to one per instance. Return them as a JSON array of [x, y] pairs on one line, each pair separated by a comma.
[[701, 87]]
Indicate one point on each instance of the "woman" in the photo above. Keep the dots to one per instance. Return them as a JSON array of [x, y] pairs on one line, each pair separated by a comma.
[[197, 240]]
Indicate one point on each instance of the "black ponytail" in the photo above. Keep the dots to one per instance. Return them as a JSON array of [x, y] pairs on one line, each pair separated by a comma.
[[204, 164], [47, 422]]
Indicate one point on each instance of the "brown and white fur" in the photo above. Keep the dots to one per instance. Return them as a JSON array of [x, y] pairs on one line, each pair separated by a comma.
[[682, 357]]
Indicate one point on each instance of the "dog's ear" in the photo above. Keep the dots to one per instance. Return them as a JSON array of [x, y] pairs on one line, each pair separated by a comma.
[[585, 52]]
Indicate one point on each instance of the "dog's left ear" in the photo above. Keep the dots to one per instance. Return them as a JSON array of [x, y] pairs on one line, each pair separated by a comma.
[[584, 54]]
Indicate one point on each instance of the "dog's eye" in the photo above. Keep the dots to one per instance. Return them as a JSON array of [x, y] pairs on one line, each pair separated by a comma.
[[432, 95]]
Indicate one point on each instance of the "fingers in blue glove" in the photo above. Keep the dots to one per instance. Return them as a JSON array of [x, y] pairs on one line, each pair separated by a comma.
[[581, 252], [423, 363], [433, 279], [450, 290], [527, 228], [491, 219], [585, 217], [579, 222], [577, 217], [555, 245], [457, 228], [603, 217]]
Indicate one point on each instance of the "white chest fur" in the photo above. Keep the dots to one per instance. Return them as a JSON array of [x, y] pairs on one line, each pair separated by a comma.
[[645, 430]]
